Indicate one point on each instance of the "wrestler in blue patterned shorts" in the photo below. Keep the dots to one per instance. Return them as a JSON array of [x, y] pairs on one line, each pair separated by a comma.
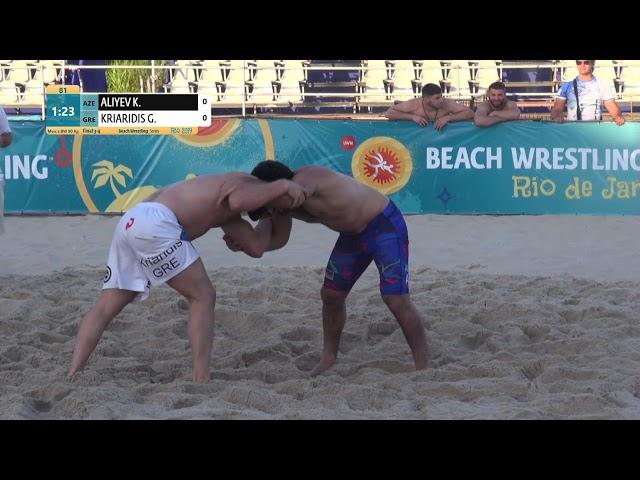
[[384, 240]]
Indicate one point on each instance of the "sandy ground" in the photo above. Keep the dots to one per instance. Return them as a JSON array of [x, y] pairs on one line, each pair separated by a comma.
[[528, 317]]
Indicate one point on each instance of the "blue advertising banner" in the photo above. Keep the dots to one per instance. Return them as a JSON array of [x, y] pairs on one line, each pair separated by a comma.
[[511, 168]]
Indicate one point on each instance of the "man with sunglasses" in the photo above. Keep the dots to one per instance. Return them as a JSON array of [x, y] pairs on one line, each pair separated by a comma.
[[584, 97]]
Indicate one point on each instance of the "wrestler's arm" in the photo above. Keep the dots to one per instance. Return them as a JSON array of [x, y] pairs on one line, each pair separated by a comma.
[[280, 231], [406, 111], [238, 238], [250, 196], [482, 118], [557, 111], [311, 186], [241, 236], [511, 112], [457, 111], [302, 214]]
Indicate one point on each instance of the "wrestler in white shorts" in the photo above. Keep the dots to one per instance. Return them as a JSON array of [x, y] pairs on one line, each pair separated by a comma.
[[148, 248]]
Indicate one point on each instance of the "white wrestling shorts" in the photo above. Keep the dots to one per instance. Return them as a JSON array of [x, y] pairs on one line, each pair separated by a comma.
[[148, 248]]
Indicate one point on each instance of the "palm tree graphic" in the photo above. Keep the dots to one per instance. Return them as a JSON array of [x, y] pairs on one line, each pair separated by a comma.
[[107, 172]]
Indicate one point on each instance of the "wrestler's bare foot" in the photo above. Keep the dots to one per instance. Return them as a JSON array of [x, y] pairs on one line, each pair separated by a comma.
[[325, 364]]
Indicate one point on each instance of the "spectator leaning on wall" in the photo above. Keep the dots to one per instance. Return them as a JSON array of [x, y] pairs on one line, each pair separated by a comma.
[[431, 107], [497, 108]]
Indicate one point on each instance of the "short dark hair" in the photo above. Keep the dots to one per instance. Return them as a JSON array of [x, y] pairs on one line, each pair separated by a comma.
[[431, 89], [269, 171], [272, 170], [497, 86]]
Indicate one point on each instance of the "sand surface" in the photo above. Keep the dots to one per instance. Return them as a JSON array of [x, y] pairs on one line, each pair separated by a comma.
[[528, 317]]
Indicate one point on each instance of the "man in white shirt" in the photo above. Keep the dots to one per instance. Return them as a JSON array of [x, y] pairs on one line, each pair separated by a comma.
[[5, 141], [5, 131], [591, 94]]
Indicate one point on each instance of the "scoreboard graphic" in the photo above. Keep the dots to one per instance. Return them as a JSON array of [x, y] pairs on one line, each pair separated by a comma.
[[69, 112]]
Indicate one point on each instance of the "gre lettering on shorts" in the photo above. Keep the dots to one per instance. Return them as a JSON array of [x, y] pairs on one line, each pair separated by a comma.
[[160, 271], [148, 262]]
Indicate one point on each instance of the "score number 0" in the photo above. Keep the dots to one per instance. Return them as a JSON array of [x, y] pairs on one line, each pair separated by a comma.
[[205, 116]]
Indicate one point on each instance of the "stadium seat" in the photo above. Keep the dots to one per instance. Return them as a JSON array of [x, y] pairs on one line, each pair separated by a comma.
[[403, 79], [179, 85], [372, 85], [428, 71], [9, 93], [630, 79], [233, 88], [457, 79], [48, 71], [211, 72], [374, 71], [484, 73], [605, 72], [33, 95], [262, 70], [292, 78], [187, 70], [19, 72]]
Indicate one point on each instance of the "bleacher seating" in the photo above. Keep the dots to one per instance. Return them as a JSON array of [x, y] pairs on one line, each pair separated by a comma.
[[233, 89], [373, 82], [33, 95], [429, 71], [606, 72], [9, 94], [261, 88], [483, 74], [19, 71], [629, 81], [291, 79], [457, 79], [49, 71], [187, 70], [336, 85], [403, 80]]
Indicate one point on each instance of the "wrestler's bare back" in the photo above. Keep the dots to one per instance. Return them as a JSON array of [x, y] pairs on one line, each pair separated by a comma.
[[338, 201], [199, 203]]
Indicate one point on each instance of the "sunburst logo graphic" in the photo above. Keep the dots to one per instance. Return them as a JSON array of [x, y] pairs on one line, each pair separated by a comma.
[[383, 166], [382, 163]]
